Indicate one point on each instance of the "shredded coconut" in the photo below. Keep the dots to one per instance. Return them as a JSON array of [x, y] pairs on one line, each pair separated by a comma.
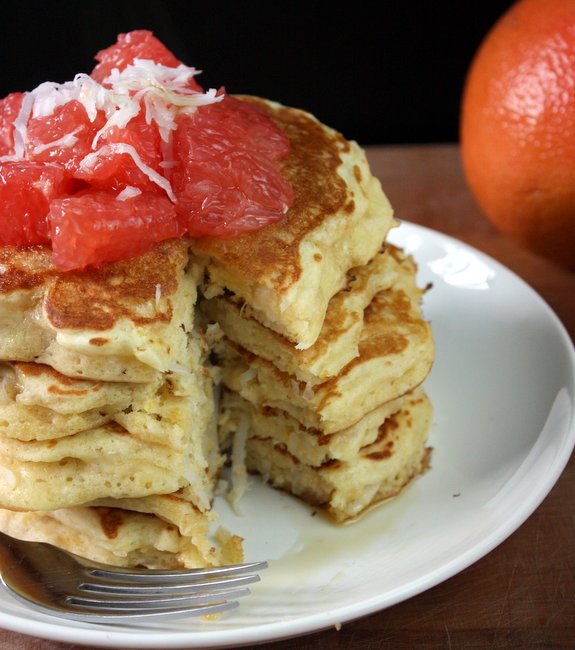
[[239, 474], [214, 334], [68, 140], [129, 192], [222, 487], [247, 376], [308, 393], [162, 92], [120, 147]]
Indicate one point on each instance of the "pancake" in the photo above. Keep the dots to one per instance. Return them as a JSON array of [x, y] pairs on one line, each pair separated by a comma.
[[100, 462], [345, 489], [312, 446], [338, 341], [160, 532], [39, 403], [288, 271], [396, 352], [123, 321]]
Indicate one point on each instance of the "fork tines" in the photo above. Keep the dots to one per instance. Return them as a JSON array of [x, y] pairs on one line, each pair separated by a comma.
[[150, 593]]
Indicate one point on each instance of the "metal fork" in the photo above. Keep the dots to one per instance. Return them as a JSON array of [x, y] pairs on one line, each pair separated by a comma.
[[55, 582]]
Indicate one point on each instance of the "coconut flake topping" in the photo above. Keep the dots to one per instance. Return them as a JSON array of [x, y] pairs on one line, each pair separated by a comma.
[[162, 92]]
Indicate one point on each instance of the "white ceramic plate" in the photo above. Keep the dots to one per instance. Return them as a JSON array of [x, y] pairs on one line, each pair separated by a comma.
[[503, 392]]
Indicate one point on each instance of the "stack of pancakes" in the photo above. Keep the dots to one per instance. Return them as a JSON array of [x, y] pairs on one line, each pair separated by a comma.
[[108, 444], [324, 345], [298, 348]]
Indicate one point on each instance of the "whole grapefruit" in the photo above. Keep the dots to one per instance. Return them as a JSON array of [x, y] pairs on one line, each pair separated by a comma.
[[517, 130]]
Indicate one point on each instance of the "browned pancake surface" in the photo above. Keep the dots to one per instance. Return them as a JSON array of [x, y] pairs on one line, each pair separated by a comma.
[[96, 298], [319, 192]]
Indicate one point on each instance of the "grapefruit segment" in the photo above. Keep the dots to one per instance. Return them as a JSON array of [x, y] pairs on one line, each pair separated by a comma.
[[227, 181], [64, 137], [137, 44], [26, 190], [9, 109], [94, 227], [118, 170]]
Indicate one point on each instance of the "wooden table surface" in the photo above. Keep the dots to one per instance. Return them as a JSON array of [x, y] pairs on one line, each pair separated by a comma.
[[522, 594]]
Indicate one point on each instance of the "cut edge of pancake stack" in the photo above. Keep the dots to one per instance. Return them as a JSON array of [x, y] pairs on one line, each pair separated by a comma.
[[111, 434], [349, 440], [108, 446], [321, 387]]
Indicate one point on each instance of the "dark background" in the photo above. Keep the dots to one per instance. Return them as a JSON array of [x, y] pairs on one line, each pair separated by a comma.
[[381, 73]]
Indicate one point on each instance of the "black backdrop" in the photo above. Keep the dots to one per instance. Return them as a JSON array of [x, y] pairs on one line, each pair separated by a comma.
[[382, 73]]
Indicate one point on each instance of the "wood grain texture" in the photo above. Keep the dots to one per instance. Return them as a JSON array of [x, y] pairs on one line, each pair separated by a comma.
[[522, 594]]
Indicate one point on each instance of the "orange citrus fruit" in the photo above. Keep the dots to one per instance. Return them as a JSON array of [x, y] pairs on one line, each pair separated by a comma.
[[518, 126]]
